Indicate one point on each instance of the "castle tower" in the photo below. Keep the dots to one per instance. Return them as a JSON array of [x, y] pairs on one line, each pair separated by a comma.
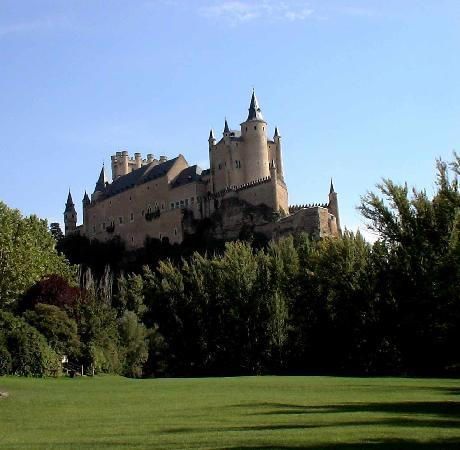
[[70, 216], [279, 155], [100, 185], [254, 133], [212, 143], [333, 206], [86, 202]]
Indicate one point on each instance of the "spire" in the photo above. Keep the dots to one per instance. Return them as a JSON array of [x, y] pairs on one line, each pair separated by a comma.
[[331, 190], [86, 200], [276, 132], [69, 205], [211, 135], [69, 200], [254, 110], [226, 127], [100, 185]]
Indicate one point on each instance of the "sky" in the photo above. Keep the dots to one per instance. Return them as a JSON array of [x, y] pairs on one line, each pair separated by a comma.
[[360, 90]]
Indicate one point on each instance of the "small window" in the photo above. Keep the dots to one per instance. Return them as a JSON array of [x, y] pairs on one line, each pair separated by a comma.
[[103, 226], [120, 219], [186, 202], [182, 203], [177, 204], [163, 205], [160, 235], [130, 198], [143, 212], [132, 239], [172, 205], [175, 231], [255, 127], [220, 166], [246, 128], [132, 217]]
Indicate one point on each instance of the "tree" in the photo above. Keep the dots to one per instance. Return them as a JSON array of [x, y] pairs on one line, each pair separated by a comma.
[[421, 238], [55, 230], [27, 253], [134, 339], [26, 351], [59, 330]]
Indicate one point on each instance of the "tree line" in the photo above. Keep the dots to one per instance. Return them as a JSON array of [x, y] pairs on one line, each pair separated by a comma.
[[293, 306]]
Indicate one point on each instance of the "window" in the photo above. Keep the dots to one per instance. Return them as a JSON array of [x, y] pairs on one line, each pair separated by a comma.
[[177, 204], [94, 228], [120, 219], [132, 217], [192, 199], [255, 127], [103, 226], [175, 231], [220, 166], [172, 205], [160, 235], [142, 213], [186, 202], [182, 203], [162, 205], [132, 239]]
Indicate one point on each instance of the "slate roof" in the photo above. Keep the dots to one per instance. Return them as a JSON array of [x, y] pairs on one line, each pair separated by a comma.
[[188, 175], [139, 176]]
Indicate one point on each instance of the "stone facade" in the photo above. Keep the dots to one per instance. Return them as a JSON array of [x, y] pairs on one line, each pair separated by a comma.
[[165, 199]]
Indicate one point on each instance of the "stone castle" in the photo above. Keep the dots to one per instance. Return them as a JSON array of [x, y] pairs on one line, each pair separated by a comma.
[[167, 199]]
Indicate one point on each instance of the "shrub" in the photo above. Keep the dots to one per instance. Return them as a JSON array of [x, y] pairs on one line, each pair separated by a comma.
[[30, 354]]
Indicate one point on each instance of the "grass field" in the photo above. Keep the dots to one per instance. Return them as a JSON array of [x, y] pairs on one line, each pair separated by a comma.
[[230, 413]]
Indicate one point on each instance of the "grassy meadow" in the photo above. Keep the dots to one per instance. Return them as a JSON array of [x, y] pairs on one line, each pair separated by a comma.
[[230, 413]]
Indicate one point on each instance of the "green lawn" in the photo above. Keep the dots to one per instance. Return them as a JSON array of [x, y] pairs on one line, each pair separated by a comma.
[[231, 413]]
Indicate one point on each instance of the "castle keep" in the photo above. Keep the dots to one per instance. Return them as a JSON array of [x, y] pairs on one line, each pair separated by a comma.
[[163, 198]]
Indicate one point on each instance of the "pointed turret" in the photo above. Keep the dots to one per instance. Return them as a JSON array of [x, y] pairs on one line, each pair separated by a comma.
[[254, 109], [331, 189], [70, 215], [277, 134], [86, 200], [333, 206], [69, 205], [226, 127], [102, 180], [211, 135]]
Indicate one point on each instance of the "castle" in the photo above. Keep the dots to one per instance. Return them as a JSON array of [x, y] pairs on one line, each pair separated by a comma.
[[167, 199]]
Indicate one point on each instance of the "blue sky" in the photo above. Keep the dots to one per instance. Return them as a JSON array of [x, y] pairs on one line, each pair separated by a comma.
[[360, 90]]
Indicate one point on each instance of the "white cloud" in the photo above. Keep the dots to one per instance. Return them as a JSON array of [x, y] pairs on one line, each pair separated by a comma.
[[240, 11], [46, 23]]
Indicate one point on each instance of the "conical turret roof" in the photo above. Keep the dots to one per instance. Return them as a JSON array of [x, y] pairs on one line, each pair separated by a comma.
[[254, 109], [331, 190], [226, 127], [69, 205], [100, 184]]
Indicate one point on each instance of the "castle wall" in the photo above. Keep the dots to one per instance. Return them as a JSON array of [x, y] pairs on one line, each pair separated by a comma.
[[128, 211]]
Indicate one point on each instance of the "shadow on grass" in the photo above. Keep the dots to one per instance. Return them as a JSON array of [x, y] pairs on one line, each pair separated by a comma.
[[390, 444], [443, 409]]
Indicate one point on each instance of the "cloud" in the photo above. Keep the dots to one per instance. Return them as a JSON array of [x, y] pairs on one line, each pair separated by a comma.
[[46, 23], [241, 11]]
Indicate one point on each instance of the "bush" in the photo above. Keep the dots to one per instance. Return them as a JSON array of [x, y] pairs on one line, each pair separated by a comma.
[[30, 355]]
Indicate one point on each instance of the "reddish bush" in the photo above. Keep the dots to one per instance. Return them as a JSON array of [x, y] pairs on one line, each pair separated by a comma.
[[50, 290]]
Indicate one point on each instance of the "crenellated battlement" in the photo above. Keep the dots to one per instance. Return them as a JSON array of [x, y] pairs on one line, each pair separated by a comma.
[[295, 208], [122, 163], [241, 187]]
